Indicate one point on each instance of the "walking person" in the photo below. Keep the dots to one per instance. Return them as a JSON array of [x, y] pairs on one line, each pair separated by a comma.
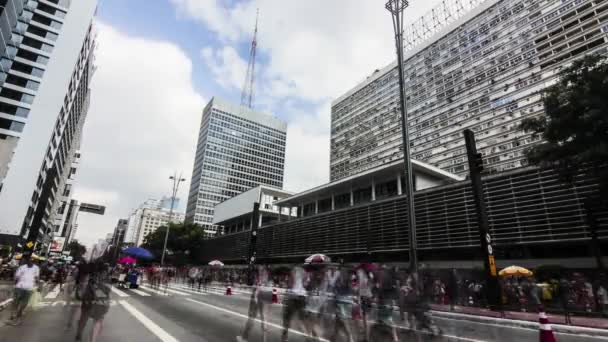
[[95, 296], [343, 304], [294, 300], [261, 298], [26, 281], [364, 282]]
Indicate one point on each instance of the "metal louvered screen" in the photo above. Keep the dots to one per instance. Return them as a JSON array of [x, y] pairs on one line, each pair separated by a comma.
[[527, 206]]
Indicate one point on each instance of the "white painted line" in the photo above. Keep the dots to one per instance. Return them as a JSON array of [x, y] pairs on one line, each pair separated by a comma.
[[141, 293], [277, 326], [177, 292], [153, 290], [53, 293], [118, 292], [153, 327], [188, 290], [6, 302]]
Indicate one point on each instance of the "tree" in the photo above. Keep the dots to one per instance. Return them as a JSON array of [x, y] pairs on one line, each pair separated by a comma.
[[185, 240], [575, 127], [76, 249]]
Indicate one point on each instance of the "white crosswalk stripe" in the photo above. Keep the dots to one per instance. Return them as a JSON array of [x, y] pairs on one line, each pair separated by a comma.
[[158, 292], [118, 292], [53, 293], [182, 288], [141, 293]]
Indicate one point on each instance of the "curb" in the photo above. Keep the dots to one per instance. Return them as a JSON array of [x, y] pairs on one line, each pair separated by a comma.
[[557, 328]]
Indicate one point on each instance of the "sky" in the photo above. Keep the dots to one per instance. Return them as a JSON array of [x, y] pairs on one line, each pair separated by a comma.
[[159, 62]]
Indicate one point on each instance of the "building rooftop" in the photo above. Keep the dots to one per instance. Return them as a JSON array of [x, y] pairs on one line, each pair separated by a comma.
[[263, 118], [364, 178], [243, 203]]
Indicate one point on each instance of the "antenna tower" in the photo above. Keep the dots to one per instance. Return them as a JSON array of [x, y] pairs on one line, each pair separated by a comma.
[[248, 86]]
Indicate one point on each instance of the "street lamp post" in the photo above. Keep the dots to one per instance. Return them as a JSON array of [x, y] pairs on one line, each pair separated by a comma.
[[176, 180], [396, 7]]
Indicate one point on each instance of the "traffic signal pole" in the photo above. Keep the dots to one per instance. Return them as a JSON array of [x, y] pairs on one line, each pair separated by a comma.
[[253, 237], [493, 296]]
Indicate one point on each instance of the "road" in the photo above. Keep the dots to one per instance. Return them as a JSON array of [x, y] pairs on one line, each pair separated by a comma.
[[184, 315]]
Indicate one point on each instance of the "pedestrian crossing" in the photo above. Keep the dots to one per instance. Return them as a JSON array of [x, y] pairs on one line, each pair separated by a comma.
[[144, 290]]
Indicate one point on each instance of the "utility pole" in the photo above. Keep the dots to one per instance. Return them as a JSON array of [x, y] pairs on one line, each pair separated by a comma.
[[475, 168], [176, 180], [396, 7], [253, 237]]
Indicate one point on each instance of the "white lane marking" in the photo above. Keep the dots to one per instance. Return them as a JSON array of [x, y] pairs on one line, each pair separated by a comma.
[[153, 327], [118, 292], [53, 293], [188, 290], [141, 293], [6, 302], [277, 326], [177, 292], [153, 290]]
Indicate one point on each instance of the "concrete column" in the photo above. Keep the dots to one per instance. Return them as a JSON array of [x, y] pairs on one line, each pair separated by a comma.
[[373, 189], [260, 221], [399, 188], [280, 212], [352, 197], [316, 206], [333, 202]]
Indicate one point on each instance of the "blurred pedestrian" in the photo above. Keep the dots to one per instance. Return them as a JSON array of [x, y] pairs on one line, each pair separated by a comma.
[[260, 301], [343, 304], [26, 282], [95, 297], [294, 300]]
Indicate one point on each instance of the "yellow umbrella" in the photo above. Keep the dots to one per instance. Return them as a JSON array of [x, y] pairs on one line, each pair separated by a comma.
[[515, 271]]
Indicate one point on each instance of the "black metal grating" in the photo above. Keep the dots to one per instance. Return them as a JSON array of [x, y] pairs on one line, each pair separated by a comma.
[[526, 206]]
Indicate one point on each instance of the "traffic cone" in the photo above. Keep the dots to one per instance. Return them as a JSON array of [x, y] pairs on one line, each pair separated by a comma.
[[275, 296], [546, 333], [229, 290]]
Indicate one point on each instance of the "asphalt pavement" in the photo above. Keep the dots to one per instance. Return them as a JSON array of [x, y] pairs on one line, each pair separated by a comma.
[[182, 314]]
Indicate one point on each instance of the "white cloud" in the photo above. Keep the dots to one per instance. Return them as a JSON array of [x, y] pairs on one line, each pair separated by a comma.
[[312, 51], [142, 125], [226, 65]]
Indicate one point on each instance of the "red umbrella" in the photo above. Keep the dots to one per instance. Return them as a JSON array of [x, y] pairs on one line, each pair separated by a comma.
[[317, 259], [127, 260]]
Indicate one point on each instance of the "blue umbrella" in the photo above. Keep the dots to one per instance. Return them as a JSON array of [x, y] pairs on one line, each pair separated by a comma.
[[138, 252]]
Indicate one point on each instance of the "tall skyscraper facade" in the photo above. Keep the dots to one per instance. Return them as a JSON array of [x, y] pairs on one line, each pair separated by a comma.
[[238, 149], [38, 185], [53, 189], [29, 31], [485, 72]]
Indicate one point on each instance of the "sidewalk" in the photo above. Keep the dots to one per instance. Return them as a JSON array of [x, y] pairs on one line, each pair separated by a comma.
[[589, 322]]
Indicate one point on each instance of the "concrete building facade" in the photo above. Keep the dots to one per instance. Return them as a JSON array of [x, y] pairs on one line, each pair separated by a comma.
[[234, 215], [238, 149], [28, 33], [41, 172], [485, 72]]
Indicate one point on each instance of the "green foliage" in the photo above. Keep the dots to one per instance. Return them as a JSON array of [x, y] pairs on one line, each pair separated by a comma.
[[575, 128], [76, 249], [183, 245]]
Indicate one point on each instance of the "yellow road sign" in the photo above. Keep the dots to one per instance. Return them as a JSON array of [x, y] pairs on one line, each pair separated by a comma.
[[29, 244]]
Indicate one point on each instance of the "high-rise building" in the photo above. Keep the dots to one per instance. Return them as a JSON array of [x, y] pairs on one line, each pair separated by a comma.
[[485, 71], [65, 95], [118, 237], [152, 218], [135, 218], [28, 35], [238, 149], [165, 202]]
